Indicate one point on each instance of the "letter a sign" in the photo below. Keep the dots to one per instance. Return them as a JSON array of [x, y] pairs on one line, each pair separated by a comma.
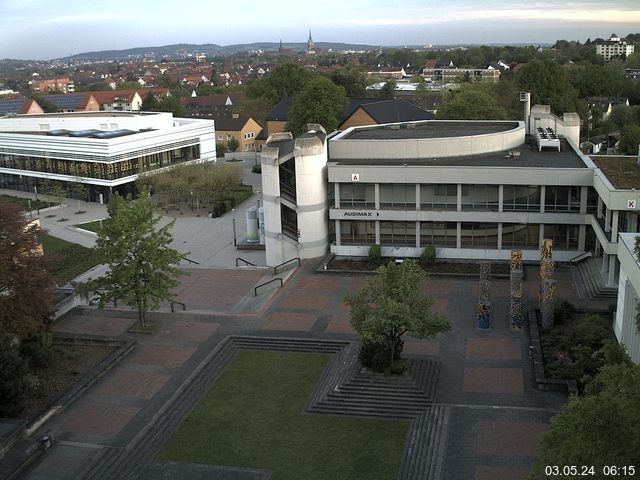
[[355, 177]]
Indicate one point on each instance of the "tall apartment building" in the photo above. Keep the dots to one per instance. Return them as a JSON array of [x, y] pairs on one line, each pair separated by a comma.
[[62, 84], [613, 47]]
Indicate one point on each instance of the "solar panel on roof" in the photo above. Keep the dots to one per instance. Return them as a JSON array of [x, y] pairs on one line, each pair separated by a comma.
[[65, 102], [10, 106], [83, 133]]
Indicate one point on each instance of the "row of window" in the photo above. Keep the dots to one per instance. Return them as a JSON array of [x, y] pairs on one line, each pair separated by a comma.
[[473, 197], [246, 136], [103, 171], [444, 234]]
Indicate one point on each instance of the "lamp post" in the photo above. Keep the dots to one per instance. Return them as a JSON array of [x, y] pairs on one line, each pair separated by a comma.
[[235, 243]]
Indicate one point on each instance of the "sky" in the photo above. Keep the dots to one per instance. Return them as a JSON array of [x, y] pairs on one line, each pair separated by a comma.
[[45, 29]]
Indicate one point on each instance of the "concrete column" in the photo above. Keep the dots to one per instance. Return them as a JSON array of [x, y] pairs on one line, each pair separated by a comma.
[[605, 263], [458, 235], [607, 221], [338, 232], [599, 210], [584, 193], [541, 234], [378, 232], [336, 194], [614, 225], [501, 198], [597, 247], [582, 236], [611, 278], [376, 190], [543, 191], [459, 198], [500, 236], [633, 222], [417, 234], [418, 197]]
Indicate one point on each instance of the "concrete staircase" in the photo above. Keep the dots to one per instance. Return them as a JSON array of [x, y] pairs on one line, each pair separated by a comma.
[[594, 282]]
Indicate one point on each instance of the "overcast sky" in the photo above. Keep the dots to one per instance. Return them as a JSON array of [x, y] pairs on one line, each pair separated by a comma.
[[39, 29]]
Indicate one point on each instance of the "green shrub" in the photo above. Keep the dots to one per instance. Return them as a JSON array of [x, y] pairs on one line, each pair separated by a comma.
[[428, 256], [13, 369], [375, 256], [591, 331], [257, 168], [39, 355], [378, 356], [563, 311]]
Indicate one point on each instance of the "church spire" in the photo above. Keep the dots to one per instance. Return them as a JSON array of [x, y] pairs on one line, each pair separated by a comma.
[[310, 44]]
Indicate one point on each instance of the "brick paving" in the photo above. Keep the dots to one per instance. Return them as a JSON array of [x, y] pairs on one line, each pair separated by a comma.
[[493, 380], [485, 377]]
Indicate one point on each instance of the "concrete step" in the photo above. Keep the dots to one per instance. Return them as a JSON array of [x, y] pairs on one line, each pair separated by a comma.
[[593, 281]]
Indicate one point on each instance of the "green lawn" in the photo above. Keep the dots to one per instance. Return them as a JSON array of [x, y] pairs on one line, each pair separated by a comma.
[[23, 203], [70, 259], [253, 417], [92, 226]]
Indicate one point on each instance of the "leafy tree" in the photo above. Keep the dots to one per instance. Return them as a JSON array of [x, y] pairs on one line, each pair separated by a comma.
[[13, 370], [388, 90], [470, 104], [26, 288], [233, 144], [630, 140], [353, 79], [142, 268], [221, 149], [633, 60], [284, 81], [149, 103], [392, 304], [46, 105], [257, 108], [601, 428], [321, 101], [170, 104], [549, 84], [622, 116]]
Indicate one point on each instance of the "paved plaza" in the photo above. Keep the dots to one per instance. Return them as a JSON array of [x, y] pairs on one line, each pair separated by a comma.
[[496, 412]]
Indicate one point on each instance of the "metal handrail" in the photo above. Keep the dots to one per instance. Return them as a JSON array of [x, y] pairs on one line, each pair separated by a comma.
[[255, 290], [275, 269], [245, 261], [184, 306], [190, 261], [577, 258]]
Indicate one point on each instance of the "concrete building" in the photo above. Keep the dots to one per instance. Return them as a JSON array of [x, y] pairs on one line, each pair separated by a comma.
[[614, 47], [625, 326], [244, 129], [62, 84], [452, 74], [105, 151]]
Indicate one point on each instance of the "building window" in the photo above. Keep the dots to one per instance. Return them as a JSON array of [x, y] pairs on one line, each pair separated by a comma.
[[438, 234], [398, 233], [357, 195], [229, 137], [354, 232], [480, 197], [521, 198], [565, 237], [398, 196], [289, 222], [434, 197], [562, 199], [520, 235], [479, 235], [221, 137]]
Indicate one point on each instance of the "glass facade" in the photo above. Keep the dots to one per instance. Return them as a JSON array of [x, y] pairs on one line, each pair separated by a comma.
[[521, 198], [399, 196], [520, 236], [480, 197], [438, 197], [479, 235], [562, 199], [438, 234], [398, 233], [105, 170], [565, 237], [357, 195], [353, 232]]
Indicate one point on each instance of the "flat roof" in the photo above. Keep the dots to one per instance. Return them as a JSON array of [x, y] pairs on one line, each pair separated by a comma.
[[622, 171], [87, 114], [529, 157], [430, 129]]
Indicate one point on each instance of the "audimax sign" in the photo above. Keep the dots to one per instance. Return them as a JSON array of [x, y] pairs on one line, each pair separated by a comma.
[[361, 213]]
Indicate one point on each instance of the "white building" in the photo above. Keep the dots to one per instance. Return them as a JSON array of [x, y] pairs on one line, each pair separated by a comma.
[[105, 151], [613, 47], [625, 326]]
